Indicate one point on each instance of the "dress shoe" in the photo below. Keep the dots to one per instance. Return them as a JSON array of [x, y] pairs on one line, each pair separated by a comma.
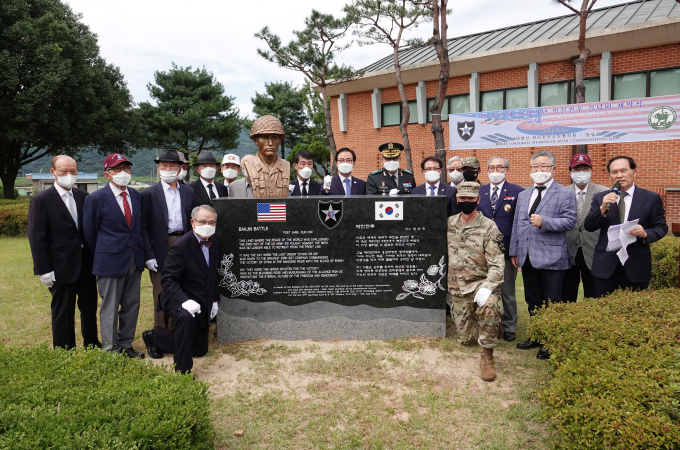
[[543, 353], [509, 336], [150, 349], [132, 353], [528, 344]]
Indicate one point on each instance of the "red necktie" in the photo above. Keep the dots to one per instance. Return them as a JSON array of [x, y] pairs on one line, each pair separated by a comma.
[[126, 208]]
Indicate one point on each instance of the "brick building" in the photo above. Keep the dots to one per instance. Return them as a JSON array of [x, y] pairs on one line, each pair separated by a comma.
[[635, 52]]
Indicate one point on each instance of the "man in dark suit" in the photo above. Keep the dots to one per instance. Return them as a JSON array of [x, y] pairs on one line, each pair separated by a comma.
[[498, 203], [55, 233], [112, 226], [303, 185], [344, 183], [390, 180], [190, 293], [166, 215], [632, 203], [205, 188], [432, 169]]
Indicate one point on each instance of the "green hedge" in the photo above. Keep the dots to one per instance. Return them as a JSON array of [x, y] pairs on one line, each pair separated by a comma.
[[665, 258], [616, 381], [13, 217], [87, 399]]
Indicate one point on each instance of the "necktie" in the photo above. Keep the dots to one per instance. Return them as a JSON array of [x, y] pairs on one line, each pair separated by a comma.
[[212, 193], [304, 189], [348, 188], [206, 243], [538, 199], [432, 188], [581, 201], [126, 209], [622, 207], [70, 205], [494, 197]]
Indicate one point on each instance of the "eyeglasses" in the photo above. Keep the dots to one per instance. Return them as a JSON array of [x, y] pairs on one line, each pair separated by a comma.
[[455, 170], [115, 170], [497, 169], [543, 168], [212, 223]]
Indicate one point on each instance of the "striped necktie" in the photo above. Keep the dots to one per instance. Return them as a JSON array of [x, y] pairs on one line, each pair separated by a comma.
[[581, 201], [494, 197], [622, 207]]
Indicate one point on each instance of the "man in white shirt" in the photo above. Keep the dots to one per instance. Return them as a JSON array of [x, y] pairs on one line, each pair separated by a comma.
[[303, 185], [344, 183], [205, 188], [432, 170]]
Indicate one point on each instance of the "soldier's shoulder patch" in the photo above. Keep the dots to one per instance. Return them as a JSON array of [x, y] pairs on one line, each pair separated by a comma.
[[375, 171], [498, 238]]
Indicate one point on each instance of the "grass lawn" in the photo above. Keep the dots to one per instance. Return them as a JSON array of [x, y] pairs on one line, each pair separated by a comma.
[[400, 394]]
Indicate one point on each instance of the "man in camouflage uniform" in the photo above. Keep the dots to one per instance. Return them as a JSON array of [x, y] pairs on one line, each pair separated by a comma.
[[476, 266], [471, 169]]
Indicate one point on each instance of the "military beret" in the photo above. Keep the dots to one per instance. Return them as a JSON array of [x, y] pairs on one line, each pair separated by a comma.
[[471, 161], [391, 149], [468, 189]]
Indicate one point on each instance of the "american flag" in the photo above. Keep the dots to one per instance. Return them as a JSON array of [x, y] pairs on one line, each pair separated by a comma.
[[271, 212]]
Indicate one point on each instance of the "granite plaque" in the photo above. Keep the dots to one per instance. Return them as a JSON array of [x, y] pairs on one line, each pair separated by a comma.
[[331, 267]]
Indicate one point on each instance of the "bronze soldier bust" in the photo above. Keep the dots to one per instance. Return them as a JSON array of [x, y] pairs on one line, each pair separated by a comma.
[[269, 175]]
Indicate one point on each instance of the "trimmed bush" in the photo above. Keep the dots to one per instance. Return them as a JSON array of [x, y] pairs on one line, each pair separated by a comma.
[[616, 381], [13, 217], [86, 399], [665, 258]]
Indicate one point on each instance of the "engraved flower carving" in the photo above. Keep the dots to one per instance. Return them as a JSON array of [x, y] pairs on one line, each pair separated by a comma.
[[425, 286], [229, 280]]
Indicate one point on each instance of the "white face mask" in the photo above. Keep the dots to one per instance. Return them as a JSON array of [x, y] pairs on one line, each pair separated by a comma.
[[391, 166], [182, 174], [230, 173], [581, 178], [432, 176], [456, 176], [208, 173], [122, 178], [67, 181], [345, 167], [305, 172], [204, 231], [541, 177], [168, 175], [496, 177]]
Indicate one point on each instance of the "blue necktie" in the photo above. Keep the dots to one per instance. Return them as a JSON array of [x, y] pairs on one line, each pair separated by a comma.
[[348, 188], [494, 197], [432, 188]]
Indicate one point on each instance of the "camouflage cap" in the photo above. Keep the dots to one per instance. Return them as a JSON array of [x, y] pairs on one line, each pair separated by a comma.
[[468, 189], [266, 125], [471, 161]]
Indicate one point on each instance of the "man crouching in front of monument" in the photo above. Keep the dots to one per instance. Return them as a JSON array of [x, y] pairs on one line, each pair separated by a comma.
[[190, 292], [476, 266]]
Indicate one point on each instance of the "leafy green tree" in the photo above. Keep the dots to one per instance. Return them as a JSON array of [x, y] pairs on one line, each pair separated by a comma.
[[287, 103], [321, 153], [191, 114], [316, 115], [57, 94]]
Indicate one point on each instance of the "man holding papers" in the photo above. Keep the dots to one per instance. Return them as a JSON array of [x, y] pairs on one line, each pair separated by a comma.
[[628, 262]]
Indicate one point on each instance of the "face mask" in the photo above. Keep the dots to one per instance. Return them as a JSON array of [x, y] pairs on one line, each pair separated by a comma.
[[168, 175], [122, 178], [67, 181], [208, 173], [467, 207], [470, 175], [230, 173], [581, 178], [305, 172], [432, 176], [541, 177], [182, 175], [204, 230], [345, 167], [496, 177], [456, 176], [391, 166]]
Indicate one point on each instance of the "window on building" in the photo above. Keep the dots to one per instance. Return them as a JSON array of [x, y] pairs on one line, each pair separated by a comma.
[[492, 101], [651, 83], [592, 90], [505, 99], [391, 114], [555, 94], [459, 104], [413, 110], [445, 109], [632, 85], [664, 82]]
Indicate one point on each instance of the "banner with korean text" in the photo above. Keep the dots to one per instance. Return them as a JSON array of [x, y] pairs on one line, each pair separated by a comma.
[[632, 120]]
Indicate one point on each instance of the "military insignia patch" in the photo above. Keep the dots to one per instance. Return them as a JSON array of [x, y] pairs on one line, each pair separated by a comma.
[[507, 208], [330, 213], [499, 240]]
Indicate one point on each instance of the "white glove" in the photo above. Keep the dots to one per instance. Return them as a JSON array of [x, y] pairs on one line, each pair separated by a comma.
[[48, 279], [482, 296], [192, 307], [152, 265], [213, 311], [327, 182], [291, 188], [394, 192]]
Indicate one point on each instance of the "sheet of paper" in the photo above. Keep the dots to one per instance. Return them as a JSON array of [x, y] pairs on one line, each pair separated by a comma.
[[614, 236], [624, 236], [623, 255]]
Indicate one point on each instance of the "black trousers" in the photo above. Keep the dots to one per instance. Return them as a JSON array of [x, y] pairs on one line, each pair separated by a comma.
[[185, 342], [574, 275], [541, 285], [619, 279], [64, 309]]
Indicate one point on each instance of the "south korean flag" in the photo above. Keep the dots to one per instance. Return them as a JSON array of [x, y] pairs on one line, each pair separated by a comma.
[[389, 210]]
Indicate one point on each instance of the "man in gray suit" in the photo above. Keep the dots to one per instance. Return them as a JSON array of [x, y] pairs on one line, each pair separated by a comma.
[[544, 214], [580, 241], [241, 188]]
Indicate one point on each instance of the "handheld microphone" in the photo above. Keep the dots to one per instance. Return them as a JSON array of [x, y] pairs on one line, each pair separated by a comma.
[[616, 188]]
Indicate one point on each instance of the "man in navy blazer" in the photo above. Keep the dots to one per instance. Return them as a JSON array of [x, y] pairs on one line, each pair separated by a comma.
[[205, 188], [432, 169], [303, 185], [632, 203], [498, 202], [190, 292], [112, 225], [344, 183], [166, 215]]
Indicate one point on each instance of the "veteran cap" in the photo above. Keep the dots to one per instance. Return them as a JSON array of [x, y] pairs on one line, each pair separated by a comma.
[[114, 159], [471, 161], [231, 159], [468, 189], [579, 159], [391, 149]]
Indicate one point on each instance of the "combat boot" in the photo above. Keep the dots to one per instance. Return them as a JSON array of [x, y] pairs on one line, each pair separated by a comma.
[[486, 363]]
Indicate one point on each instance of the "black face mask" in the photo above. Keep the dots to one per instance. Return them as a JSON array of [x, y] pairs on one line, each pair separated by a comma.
[[467, 207], [470, 175]]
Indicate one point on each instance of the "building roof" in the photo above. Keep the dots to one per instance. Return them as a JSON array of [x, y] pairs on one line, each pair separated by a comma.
[[630, 13]]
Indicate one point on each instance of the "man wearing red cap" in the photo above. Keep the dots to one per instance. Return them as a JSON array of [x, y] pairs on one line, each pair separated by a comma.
[[580, 241], [112, 225]]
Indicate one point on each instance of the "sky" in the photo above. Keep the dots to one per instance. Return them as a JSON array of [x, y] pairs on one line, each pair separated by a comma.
[[145, 36]]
